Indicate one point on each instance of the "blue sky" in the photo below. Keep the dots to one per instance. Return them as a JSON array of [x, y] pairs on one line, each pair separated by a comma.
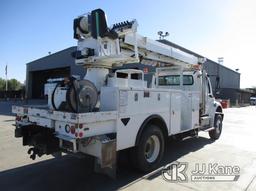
[[30, 29]]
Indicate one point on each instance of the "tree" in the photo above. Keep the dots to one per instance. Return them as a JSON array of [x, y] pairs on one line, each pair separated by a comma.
[[2, 84], [13, 84]]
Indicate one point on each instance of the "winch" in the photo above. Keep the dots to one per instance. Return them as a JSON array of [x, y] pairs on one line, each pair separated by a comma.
[[74, 95]]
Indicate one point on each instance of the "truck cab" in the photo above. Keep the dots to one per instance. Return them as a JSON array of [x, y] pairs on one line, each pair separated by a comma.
[[194, 79]]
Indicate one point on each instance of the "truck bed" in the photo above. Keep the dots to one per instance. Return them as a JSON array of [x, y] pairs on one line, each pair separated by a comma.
[[92, 124], [44, 112]]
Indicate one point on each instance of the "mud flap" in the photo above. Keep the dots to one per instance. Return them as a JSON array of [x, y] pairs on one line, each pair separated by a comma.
[[107, 163], [18, 132]]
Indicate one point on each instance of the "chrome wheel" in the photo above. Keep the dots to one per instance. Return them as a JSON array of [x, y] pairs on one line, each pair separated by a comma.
[[218, 126], [216, 132], [149, 150], [152, 148]]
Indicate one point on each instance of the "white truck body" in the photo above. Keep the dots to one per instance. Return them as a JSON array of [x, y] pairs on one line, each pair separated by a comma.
[[125, 99], [179, 101]]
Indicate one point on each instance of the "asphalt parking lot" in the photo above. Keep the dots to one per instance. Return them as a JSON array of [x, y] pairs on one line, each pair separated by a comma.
[[236, 147]]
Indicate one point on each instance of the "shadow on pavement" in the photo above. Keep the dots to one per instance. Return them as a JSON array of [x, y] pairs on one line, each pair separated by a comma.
[[70, 173]]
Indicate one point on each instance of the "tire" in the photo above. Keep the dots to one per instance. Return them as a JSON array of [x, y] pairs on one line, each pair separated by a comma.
[[149, 152], [216, 132]]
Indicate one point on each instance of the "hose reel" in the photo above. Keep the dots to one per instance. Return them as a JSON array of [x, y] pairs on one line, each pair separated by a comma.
[[81, 96]]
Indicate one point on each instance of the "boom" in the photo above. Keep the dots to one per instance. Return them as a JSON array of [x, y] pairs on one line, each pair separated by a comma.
[[100, 46]]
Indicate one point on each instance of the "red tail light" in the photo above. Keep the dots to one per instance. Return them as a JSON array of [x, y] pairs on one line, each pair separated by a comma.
[[18, 118], [81, 134]]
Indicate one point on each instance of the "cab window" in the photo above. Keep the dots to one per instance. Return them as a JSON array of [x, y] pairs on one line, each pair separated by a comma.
[[174, 80]]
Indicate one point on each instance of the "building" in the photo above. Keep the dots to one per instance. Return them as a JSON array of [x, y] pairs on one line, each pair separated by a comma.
[[57, 65], [225, 82]]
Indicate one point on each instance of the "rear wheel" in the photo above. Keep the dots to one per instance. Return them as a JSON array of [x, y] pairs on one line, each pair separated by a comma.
[[150, 149], [216, 132]]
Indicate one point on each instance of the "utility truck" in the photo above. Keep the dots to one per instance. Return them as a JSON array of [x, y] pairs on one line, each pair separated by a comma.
[[111, 110]]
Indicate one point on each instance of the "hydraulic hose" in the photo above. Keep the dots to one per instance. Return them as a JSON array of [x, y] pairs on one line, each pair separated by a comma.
[[53, 94]]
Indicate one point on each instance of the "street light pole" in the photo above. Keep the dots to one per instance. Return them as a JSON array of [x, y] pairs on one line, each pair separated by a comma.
[[6, 79]]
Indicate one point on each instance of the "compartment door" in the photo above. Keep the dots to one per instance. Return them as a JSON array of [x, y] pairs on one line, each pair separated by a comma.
[[195, 110], [175, 113]]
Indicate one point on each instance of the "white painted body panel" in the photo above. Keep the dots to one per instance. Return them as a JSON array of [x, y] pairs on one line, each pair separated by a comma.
[[44, 122], [126, 99], [175, 113], [173, 106], [134, 105]]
